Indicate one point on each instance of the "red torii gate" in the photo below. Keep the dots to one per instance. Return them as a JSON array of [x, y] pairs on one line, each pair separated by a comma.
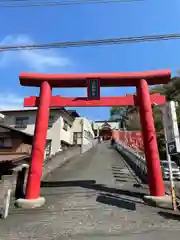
[[142, 99]]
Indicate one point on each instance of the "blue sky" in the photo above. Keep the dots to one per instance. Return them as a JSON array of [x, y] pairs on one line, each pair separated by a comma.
[[83, 22]]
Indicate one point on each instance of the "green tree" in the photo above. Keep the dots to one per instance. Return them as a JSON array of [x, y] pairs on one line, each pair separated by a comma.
[[116, 113], [172, 92]]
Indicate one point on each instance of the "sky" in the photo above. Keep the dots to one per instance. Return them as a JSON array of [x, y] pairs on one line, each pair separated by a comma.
[[85, 22]]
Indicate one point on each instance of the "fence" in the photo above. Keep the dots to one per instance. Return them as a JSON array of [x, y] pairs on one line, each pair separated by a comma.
[[132, 139], [134, 159]]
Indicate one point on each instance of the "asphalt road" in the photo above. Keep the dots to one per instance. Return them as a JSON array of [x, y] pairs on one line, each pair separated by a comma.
[[92, 197]]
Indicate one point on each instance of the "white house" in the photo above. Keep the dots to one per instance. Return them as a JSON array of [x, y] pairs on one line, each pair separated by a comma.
[[82, 131], [65, 127], [59, 130]]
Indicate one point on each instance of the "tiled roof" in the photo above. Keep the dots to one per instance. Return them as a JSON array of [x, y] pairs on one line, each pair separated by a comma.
[[13, 157]]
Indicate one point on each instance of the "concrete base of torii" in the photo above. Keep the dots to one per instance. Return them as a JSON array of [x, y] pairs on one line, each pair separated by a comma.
[[162, 201], [30, 203]]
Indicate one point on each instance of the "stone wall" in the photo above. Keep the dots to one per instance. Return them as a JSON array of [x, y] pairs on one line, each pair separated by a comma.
[[59, 159]]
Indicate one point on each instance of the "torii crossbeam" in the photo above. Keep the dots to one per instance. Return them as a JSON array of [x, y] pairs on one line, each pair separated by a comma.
[[128, 100]]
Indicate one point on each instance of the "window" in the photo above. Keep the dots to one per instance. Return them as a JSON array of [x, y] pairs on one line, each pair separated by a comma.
[[51, 121], [5, 143], [1, 121], [1, 143], [88, 134], [79, 135], [48, 149], [75, 138], [66, 125], [21, 122]]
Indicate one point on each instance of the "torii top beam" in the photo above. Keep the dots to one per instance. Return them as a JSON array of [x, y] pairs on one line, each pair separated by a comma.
[[106, 79]]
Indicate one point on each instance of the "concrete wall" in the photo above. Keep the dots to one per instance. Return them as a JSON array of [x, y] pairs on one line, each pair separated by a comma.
[[59, 159], [66, 134], [53, 133]]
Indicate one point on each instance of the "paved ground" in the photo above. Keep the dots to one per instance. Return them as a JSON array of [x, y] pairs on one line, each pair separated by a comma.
[[92, 197]]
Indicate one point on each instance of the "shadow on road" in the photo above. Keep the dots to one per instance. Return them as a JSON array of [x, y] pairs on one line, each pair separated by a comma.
[[116, 201], [76, 183], [170, 215], [91, 184], [120, 180]]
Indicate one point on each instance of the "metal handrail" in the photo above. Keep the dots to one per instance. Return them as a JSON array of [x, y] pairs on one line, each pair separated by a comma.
[[140, 161]]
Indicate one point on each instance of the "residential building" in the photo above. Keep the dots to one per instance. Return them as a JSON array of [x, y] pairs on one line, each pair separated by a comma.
[[82, 125], [14, 141], [59, 133], [15, 148]]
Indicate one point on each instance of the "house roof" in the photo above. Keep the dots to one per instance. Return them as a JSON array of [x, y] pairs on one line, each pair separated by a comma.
[[30, 136], [101, 121], [73, 113], [26, 109], [15, 130], [13, 157], [4, 111], [106, 124]]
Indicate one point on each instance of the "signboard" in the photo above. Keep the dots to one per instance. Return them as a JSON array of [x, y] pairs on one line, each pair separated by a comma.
[[172, 148], [93, 89], [171, 127]]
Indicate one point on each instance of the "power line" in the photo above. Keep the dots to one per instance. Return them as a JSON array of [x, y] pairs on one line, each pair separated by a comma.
[[107, 41], [26, 3], [42, 1], [12, 1]]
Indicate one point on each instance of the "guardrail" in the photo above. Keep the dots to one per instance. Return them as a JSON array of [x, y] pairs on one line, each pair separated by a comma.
[[134, 159]]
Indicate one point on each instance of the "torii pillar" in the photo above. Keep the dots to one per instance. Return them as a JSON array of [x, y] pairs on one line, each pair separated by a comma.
[[144, 101], [154, 172], [33, 198]]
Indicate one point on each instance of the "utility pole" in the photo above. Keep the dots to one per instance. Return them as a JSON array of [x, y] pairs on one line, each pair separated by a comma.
[[82, 135]]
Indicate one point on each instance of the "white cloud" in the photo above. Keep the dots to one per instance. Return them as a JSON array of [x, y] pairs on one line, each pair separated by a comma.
[[10, 101], [39, 60]]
